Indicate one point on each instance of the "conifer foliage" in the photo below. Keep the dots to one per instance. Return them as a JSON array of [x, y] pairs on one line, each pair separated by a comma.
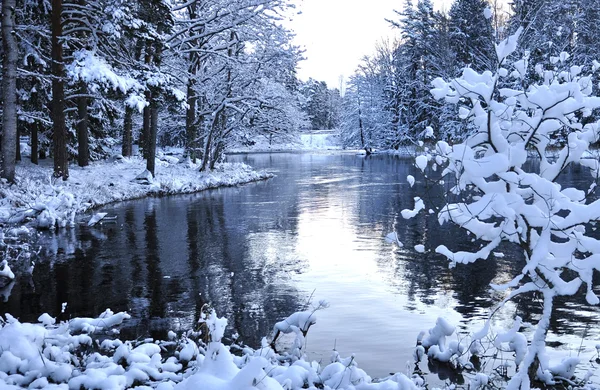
[[433, 44], [198, 74]]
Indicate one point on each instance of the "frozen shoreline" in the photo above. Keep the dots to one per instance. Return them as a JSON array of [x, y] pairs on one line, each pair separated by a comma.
[[44, 202]]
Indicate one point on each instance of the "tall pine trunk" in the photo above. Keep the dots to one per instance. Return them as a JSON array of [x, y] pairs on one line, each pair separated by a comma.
[[127, 149], [9, 91], [61, 163], [83, 150]]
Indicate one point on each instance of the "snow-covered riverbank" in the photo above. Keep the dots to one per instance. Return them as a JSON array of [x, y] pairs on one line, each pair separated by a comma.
[[47, 202]]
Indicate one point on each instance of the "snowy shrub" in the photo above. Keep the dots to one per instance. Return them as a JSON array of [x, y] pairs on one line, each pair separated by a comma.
[[499, 197], [50, 355]]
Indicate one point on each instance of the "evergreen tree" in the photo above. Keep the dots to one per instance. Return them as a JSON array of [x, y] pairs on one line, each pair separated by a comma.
[[471, 35], [419, 62]]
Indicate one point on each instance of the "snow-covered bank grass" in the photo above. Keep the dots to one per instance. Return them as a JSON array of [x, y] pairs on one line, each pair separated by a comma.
[[47, 202], [84, 353]]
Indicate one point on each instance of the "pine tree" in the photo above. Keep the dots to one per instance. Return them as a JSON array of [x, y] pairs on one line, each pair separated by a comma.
[[471, 35]]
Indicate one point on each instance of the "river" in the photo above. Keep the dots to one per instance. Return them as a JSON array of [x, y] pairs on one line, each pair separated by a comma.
[[261, 251]]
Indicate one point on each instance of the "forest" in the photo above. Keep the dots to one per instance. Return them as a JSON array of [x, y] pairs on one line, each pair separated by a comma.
[[498, 102], [81, 77], [388, 101]]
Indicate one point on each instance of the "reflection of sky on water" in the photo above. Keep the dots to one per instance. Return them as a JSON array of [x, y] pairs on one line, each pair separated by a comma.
[[258, 252]]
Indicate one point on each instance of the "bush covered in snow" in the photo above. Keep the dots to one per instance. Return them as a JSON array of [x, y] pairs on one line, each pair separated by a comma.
[[498, 197], [84, 353]]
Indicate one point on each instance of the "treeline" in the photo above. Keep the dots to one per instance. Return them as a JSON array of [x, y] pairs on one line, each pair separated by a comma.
[[321, 104], [388, 104], [82, 75]]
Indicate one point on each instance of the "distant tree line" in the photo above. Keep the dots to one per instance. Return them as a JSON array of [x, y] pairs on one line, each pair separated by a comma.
[[321, 104], [388, 104], [82, 75]]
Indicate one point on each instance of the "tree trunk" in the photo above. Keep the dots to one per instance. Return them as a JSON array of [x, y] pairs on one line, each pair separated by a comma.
[[151, 137], [361, 129], [34, 142], [9, 91], [61, 163], [217, 154], [83, 150], [191, 128], [191, 124], [18, 144], [127, 149], [143, 142], [207, 149], [146, 113]]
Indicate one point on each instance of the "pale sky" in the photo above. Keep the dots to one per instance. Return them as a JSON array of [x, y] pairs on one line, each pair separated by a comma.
[[336, 34]]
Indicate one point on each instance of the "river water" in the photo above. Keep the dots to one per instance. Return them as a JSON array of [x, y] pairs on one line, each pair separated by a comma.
[[261, 251]]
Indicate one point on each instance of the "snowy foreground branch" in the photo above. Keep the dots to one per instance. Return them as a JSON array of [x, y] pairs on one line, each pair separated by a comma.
[[71, 355], [506, 179]]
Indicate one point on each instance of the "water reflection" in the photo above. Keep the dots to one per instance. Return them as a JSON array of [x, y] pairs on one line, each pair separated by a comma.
[[261, 251]]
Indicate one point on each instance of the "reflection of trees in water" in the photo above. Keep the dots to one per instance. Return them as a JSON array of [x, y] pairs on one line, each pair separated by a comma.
[[166, 257], [215, 247], [423, 276]]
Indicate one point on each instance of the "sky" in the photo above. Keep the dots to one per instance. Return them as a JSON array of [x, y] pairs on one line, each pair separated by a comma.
[[336, 34]]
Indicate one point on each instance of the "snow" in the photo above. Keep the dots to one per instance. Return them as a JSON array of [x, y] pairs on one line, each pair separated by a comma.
[[96, 218], [5, 271], [420, 248], [419, 205], [49, 355], [487, 12], [95, 72], [421, 162], [299, 320], [317, 140], [45, 202], [393, 238]]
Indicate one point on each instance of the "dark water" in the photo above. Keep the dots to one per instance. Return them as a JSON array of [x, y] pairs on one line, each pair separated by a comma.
[[259, 252]]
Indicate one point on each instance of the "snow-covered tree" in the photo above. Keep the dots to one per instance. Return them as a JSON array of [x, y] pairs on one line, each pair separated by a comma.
[[317, 103], [471, 36], [499, 197]]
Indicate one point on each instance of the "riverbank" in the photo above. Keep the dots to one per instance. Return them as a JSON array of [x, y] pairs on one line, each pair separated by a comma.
[[41, 201]]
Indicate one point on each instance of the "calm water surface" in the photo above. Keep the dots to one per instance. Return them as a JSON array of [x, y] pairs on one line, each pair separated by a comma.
[[261, 251]]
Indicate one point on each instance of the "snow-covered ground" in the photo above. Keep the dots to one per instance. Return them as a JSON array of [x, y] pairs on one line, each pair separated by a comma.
[[320, 140], [315, 140], [47, 202]]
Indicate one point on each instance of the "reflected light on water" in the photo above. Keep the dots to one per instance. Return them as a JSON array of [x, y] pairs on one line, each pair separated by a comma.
[[259, 252]]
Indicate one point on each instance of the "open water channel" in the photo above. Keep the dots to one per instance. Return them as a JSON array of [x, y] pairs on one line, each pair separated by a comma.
[[261, 251]]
